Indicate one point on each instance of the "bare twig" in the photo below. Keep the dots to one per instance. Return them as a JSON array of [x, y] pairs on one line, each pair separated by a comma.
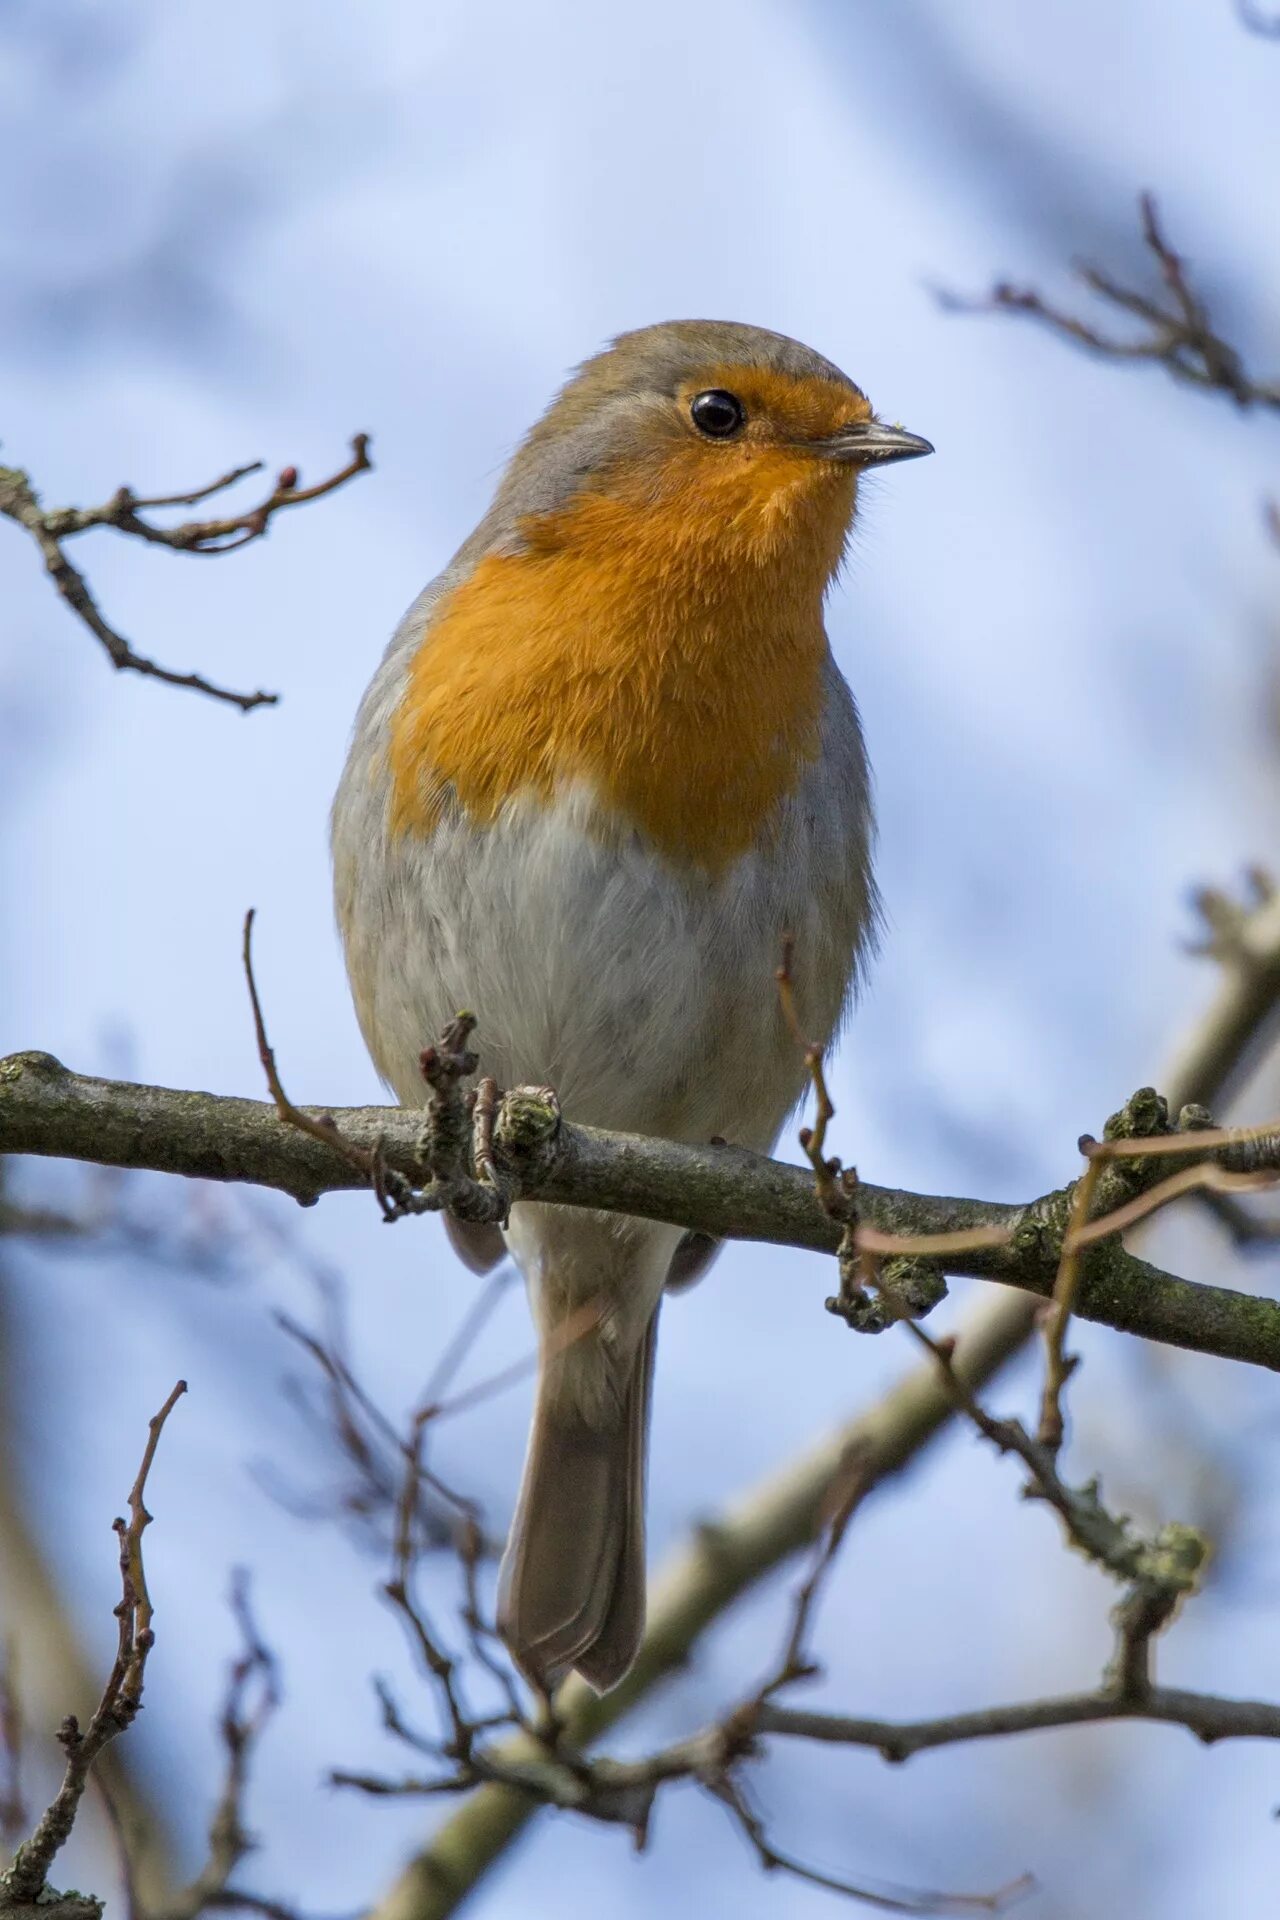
[[322, 1127], [26, 1878], [123, 511], [1247, 1162], [1207, 1716], [447, 1129], [1210, 1178], [456, 1748], [851, 1483], [886, 1900], [1159, 1572], [376, 1452], [51, 527], [1058, 1363], [1171, 1562], [826, 1173], [1178, 334]]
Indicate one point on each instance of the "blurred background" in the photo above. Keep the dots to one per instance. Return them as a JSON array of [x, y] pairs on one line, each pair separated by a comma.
[[250, 232]]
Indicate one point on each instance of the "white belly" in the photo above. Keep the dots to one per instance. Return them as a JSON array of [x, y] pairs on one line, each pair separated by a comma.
[[645, 993]]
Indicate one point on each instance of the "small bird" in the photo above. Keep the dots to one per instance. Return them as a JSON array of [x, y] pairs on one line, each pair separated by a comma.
[[606, 766]]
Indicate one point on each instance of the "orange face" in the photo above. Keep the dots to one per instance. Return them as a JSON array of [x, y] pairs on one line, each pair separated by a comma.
[[658, 636], [770, 483], [783, 412]]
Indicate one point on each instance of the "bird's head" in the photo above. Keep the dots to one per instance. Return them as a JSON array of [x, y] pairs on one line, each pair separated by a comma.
[[700, 435]]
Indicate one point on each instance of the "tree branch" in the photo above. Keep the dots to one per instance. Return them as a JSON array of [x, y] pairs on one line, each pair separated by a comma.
[[1176, 329], [786, 1512], [24, 1884], [724, 1558], [725, 1191], [51, 527], [1203, 1714]]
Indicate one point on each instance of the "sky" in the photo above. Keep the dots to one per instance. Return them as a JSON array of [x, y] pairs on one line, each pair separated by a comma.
[[255, 232]]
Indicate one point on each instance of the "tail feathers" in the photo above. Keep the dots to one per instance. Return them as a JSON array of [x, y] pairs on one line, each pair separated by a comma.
[[571, 1588]]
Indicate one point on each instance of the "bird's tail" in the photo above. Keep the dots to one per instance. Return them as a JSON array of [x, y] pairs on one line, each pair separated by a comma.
[[571, 1588]]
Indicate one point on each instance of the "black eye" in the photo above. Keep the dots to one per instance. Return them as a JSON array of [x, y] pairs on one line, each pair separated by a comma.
[[717, 413]]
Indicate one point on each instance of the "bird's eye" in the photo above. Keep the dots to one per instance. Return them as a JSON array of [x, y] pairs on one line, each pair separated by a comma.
[[717, 413]]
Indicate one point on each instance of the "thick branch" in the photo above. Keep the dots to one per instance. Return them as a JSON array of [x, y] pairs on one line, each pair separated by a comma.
[[725, 1191]]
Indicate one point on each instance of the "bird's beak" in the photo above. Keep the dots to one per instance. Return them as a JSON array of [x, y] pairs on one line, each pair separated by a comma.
[[870, 443]]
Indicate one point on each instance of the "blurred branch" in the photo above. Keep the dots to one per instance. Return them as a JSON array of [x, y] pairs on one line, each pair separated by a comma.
[[1177, 331], [1252, 17], [13, 1807], [125, 511], [24, 1885], [253, 1694], [375, 1453], [1248, 1230], [195, 1230]]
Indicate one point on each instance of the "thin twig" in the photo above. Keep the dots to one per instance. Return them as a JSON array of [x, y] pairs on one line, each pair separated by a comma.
[[441, 1178], [121, 1697], [124, 509], [50, 527], [376, 1450], [901, 1900], [1207, 1716], [853, 1480], [812, 1139], [1058, 1363], [323, 1128], [930, 1246], [1208, 1178], [1178, 332]]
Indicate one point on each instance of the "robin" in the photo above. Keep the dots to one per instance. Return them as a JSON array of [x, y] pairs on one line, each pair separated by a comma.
[[606, 764]]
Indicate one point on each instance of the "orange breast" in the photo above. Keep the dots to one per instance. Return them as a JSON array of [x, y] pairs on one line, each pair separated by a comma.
[[669, 654]]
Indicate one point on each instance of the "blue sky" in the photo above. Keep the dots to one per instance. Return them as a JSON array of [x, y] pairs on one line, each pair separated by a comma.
[[258, 232]]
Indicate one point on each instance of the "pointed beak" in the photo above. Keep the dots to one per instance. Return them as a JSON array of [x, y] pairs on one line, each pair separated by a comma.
[[870, 443]]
